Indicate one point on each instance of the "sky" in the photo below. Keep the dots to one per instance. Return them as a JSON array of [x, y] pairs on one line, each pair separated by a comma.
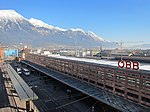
[[113, 20]]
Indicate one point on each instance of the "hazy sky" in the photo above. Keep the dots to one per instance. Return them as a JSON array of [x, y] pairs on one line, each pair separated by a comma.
[[114, 20]]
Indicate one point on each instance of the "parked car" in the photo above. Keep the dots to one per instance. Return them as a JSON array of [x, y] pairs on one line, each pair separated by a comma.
[[25, 71], [19, 71]]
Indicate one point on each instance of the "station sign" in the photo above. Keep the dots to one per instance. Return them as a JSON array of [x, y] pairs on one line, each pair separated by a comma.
[[128, 64]]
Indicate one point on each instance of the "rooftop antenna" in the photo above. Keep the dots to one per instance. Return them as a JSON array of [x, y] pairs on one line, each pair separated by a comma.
[[121, 48], [75, 48]]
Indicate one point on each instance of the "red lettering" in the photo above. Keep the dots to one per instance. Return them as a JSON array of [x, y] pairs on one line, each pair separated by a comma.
[[128, 64], [136, 65], [121, 64]]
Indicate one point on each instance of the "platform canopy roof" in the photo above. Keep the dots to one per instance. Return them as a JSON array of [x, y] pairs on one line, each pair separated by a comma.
[[24, 92], [106, 97]]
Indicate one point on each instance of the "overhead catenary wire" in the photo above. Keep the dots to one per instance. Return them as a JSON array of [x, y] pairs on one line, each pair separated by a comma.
[[92, 106], [102, 107], [72, 102], [64, 97]]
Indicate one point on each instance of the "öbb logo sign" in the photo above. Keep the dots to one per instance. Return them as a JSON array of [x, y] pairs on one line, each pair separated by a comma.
[[128, 64]]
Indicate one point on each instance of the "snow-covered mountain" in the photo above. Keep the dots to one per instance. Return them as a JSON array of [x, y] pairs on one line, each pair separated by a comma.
[[14, 28], [39, 23]]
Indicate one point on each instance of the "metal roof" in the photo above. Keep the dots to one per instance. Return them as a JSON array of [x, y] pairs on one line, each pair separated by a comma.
[[25, 93], [99, 94]]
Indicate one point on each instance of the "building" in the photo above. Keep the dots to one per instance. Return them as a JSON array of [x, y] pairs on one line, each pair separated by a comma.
[[1, 54], [10, 54], [133, 85]]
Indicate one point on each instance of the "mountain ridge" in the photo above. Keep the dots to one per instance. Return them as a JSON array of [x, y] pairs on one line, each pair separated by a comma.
[[34, 31]]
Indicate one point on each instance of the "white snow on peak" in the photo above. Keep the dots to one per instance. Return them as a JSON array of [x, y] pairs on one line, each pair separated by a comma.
[[14, 16], [61, 29], [92, 33], [95, 36], [39, 23], [77, 29], [10, 14]]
